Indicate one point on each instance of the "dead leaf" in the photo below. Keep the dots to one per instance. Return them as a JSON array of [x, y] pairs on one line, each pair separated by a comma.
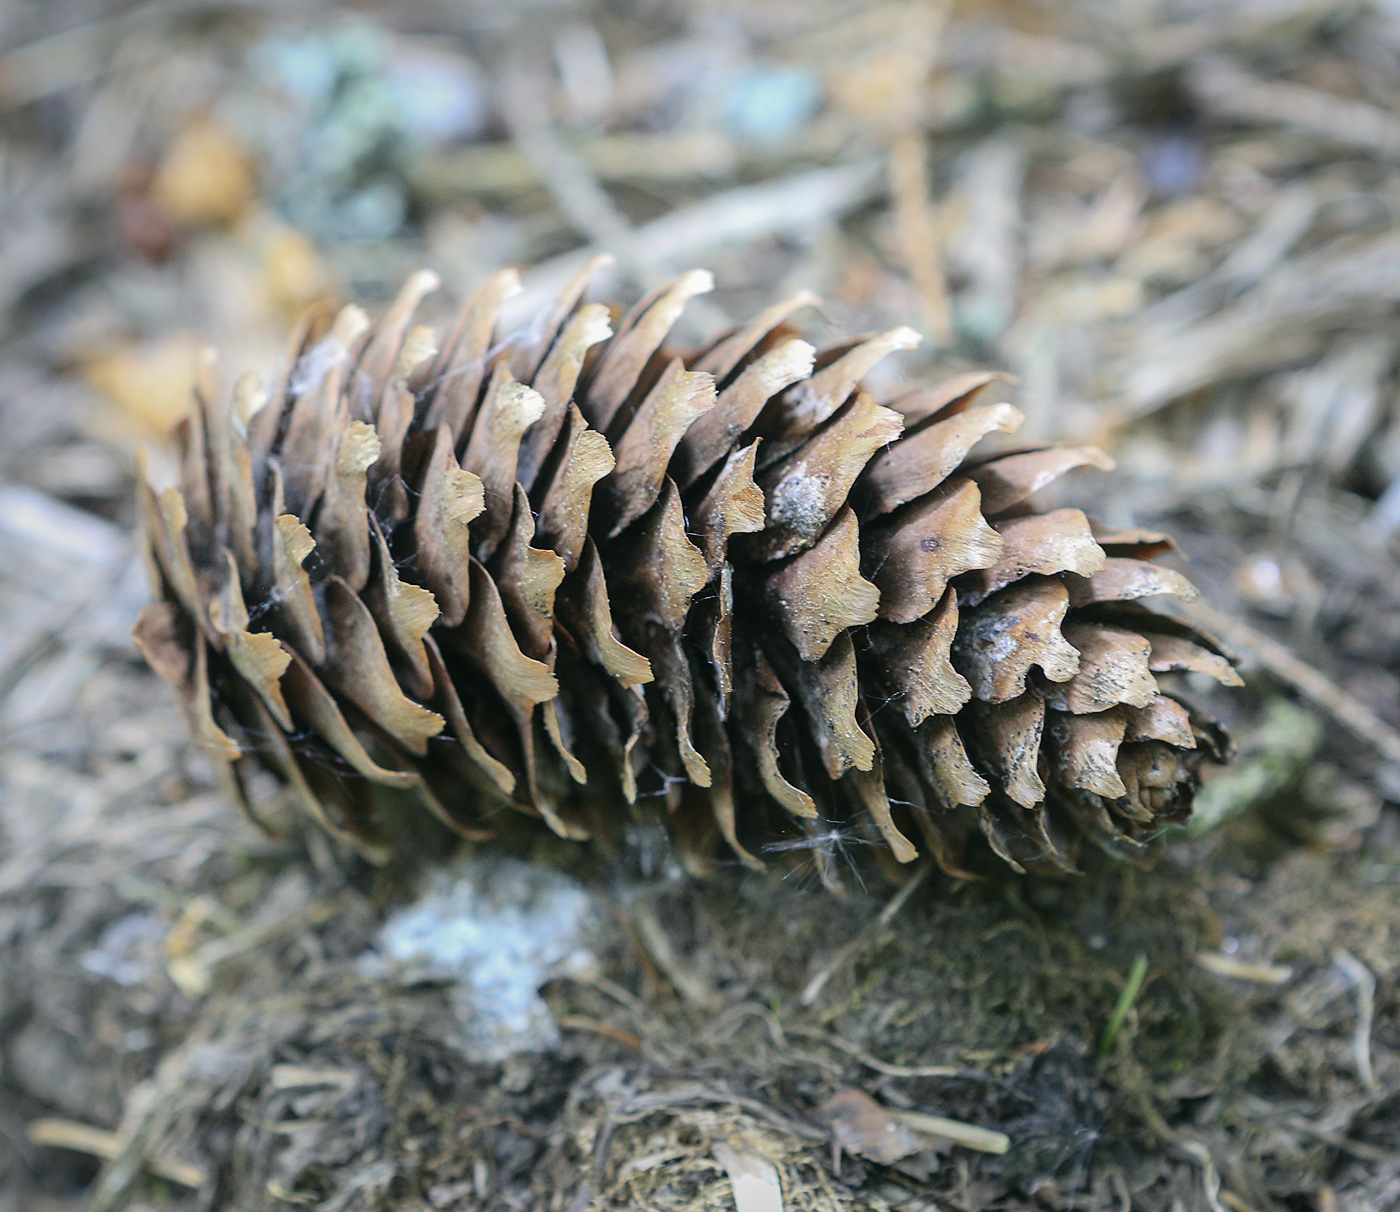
[[149, 383], [754, 1178], [206, 178], [861, 1126]]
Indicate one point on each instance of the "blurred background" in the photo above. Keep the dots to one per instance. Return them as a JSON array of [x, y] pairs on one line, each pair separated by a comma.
[[1175, 222]]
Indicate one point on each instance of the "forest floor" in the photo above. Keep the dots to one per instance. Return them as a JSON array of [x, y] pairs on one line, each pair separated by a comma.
[[1175, 261]]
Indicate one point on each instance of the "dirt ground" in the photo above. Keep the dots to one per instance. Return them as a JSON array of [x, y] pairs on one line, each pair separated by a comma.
[[1177, 223]]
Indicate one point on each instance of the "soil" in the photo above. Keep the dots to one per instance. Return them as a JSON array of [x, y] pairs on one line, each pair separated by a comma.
[[188, 1019]]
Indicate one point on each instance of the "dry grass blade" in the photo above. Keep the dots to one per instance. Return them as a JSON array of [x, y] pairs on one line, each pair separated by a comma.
[[1238, 969], [693, 988], [568, 177], [867, 935], [879, 1066], [795, 203], [1225, 87], [98, 1142], [919, 232], [983, 1140], [1363, 980]]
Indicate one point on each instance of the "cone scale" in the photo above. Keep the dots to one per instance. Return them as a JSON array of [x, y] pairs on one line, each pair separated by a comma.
[[574, 569]]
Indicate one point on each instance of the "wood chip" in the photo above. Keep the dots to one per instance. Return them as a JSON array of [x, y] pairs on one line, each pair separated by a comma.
[[753, 1178]]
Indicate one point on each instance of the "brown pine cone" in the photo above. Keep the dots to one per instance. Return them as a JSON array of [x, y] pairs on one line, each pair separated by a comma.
[[567, 568]]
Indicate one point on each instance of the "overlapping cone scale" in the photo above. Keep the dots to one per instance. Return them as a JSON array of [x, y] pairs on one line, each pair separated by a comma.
[[571, 570]]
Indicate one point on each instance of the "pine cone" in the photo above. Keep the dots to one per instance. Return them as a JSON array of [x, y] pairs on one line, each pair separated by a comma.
[[567, 569]]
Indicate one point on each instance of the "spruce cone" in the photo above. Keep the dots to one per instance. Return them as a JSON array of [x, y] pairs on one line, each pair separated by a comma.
[[564, 569]]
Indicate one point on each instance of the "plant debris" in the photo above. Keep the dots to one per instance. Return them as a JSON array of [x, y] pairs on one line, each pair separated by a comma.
[[1173, 223]]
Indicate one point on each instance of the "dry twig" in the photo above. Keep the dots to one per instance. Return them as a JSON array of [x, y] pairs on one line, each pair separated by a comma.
[[98, 1142], [1345, 708]]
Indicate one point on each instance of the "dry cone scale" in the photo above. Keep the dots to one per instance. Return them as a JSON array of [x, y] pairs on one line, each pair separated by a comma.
[[579, 572]]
